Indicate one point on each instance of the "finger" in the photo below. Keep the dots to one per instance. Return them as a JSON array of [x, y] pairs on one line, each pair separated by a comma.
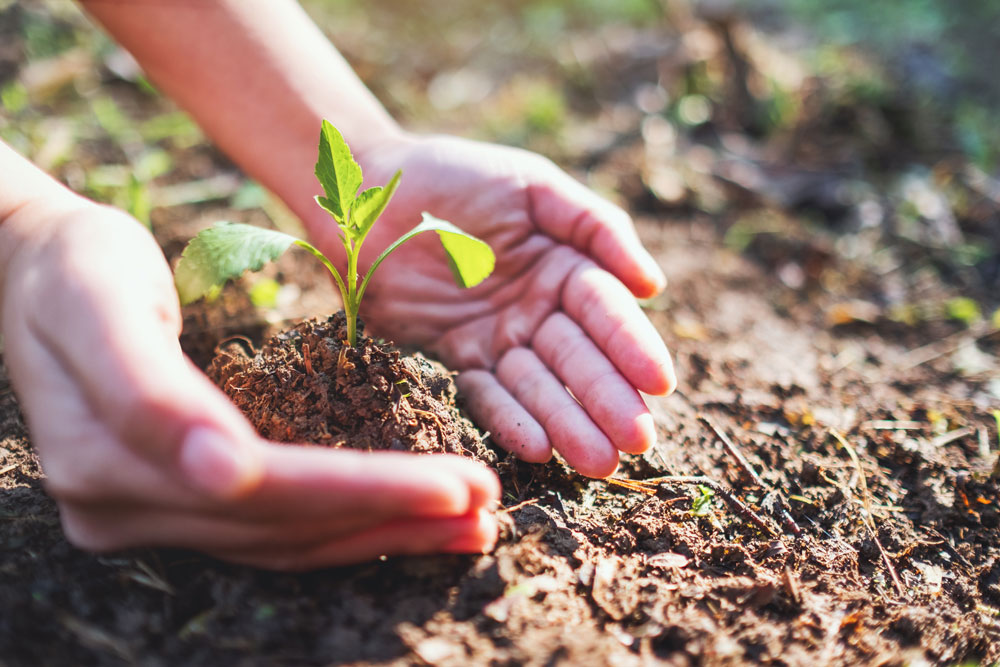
[[473, 533], [519, 307], [316, 482], [569, 429], [294, 481], [570, 212], [75, 449], [111, 527], [602, 306], [310, 544], [339, 492], [608, 397], [509, 424]]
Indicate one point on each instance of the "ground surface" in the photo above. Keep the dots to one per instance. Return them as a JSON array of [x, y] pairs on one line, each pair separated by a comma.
[[834, 268], [592, 573]]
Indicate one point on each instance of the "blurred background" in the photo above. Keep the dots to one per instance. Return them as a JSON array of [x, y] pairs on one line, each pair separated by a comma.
[[849, 147]]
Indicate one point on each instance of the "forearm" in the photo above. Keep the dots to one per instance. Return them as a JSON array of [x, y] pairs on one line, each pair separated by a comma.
[[258, 76]]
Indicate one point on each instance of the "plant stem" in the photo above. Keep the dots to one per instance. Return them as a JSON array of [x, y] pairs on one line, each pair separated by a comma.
[[344, 293], [351, 303]]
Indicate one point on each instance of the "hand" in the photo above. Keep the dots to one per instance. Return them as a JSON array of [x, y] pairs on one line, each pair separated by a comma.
[[557, 312], [140, 449]]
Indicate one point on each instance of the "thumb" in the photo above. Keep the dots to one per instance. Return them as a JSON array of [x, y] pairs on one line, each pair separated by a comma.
[[571, 213], [113, 328], [139, 383]]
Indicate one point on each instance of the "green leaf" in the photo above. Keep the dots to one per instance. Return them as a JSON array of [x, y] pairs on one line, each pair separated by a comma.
[[329, 206], [337, 172], [371, 203], [223, 252], [471, 259]]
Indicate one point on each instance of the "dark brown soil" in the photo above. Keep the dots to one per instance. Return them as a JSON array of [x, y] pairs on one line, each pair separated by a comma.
[[307, 384], [592, 573]]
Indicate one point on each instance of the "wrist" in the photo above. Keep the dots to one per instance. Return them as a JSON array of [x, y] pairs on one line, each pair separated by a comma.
[[28, 196]]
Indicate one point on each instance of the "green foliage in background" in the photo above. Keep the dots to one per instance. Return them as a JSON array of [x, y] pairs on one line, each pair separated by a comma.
[[941, 55]]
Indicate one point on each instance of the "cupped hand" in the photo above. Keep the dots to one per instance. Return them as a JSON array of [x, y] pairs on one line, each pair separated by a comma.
[[140, 449], [553, 348]]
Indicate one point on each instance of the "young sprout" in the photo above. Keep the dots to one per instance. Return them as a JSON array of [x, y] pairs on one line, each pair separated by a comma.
[[227, 249]]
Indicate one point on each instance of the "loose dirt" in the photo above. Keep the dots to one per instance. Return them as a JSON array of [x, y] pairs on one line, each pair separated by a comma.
[[308, 384], [898, 561]]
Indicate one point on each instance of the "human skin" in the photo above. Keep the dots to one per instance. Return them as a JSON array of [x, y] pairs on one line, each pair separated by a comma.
[[139, 448], [90, 318]]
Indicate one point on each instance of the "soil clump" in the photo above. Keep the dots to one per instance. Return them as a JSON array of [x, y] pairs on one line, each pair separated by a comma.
[[307, 385]]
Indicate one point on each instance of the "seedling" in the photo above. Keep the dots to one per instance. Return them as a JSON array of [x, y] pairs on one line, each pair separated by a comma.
[[224, 251], [702, 503]]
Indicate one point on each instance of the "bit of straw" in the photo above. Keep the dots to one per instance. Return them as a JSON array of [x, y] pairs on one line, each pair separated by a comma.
[[951, 436], [869, 517], [519, 506]]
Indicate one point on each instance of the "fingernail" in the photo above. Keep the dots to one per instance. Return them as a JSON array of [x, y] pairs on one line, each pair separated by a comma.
[[654, 271], [645, 428], [216, 464]]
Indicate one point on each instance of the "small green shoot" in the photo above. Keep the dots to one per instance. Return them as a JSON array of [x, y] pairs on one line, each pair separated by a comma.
[[963, 309], [702, 504], [224, 251], [264, 293]]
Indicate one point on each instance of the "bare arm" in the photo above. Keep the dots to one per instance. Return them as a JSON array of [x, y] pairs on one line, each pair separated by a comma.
[[258, 76]]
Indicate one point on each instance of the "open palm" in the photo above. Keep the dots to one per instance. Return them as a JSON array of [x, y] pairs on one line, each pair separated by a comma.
[[557, 313]]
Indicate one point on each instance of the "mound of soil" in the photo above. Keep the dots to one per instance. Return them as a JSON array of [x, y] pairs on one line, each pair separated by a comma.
[[307, 385]]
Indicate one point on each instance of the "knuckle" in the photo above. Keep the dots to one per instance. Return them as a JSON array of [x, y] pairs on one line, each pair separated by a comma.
[[601, 389], [568, 354], [72, 484], [85, 531], [144, 412], [513, 331], [462, 351]]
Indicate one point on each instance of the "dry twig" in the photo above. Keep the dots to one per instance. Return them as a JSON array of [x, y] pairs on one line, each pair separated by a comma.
[[745, 466], [306, 361], [951, 436], [938, 349]]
